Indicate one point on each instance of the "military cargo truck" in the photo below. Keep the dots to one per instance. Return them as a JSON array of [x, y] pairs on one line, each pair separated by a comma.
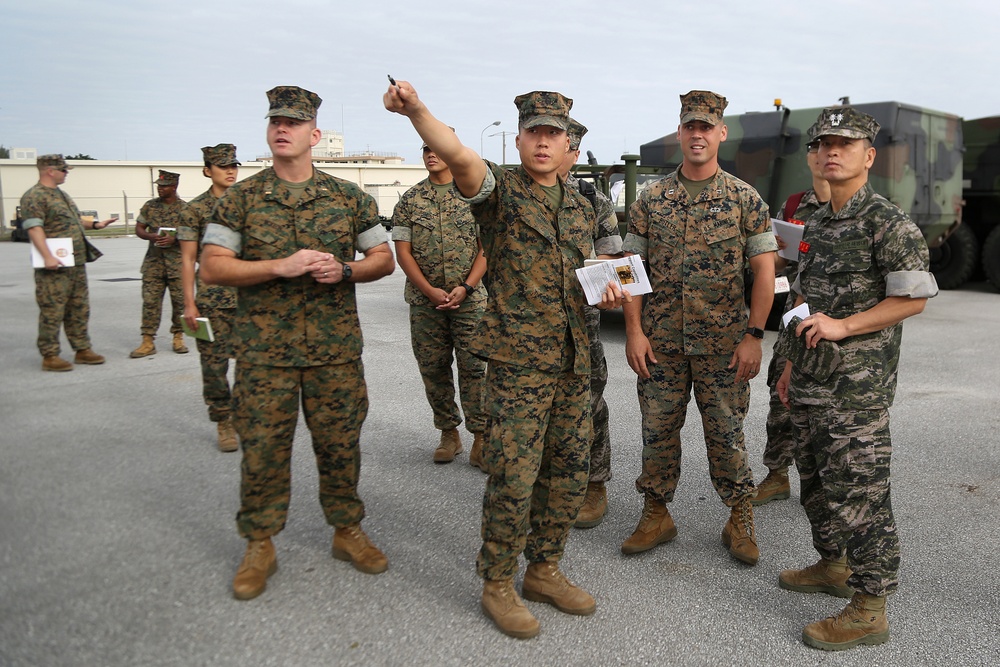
[[981, 189]]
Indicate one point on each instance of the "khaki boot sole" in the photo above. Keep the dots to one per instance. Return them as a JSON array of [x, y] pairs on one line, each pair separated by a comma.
[[516, 634], [662, 538], [340, 554], [873, 639], [589, 523], [835, 591], [254, 592], [136, 354], [781, 495], [538, 596]]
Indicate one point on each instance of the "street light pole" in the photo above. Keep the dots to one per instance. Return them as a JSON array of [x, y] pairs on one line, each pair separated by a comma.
[[504, 135], [493, 124]]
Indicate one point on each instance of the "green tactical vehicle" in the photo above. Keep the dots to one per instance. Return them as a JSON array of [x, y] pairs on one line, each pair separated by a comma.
[[981, 189]]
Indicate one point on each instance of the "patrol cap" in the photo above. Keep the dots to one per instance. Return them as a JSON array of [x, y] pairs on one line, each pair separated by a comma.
[[167, 178], [54, 160], [541, 107], [576, 131], [292, 102], [703, 105], [846, 122], [221, 155]]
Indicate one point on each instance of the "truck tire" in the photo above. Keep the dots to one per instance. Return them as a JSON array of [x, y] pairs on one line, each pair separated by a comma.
[[953, 262], [991, 257]]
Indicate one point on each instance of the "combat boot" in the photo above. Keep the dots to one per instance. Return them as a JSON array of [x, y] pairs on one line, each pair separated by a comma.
[[259, 563], [504, 607], [450, 445], [595, 504], [350, 543], [88, 356], [543, 582], [145, 349], [774, 487], [739, 536], [655, 527], [179, 346], [56, 363], [227, 436], [862, 621], [826, 576], [476, 455]]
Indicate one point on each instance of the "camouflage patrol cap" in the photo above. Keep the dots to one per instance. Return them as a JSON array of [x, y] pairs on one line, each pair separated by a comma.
[[846, 122], [221, 155], [292, 102], [702, 105], [54, 160], [576, 131], [167, 178], [811, 133], [541, 107]]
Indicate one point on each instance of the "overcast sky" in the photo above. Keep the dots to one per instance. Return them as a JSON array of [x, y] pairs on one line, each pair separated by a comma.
[[120, 79]]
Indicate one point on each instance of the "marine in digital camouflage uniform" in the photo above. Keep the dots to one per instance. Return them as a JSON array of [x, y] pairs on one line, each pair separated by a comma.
[[60, 290], [437, 246], [535, 233], [161, 267], [607, 245], [215, 302], [863, 269], [697, 227], [288, 237]]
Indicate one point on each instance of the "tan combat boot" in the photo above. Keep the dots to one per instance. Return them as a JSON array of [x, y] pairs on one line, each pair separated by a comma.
[[476, 455], [451, 444], [89, 357], [179, 346], [826, 576], [227, 436], [350, 543], [774, 487], [595, 504], [739, 536], [503, 606], [259, 563], [655, 527], [145, 349], [55, 363], [543, 582], [862, 621]]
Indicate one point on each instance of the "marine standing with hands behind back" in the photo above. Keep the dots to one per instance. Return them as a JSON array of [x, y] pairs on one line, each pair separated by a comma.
[[287, 237], [863, 269], [535, 233]]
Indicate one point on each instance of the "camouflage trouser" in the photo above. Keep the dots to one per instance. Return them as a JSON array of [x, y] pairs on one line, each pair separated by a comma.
[[780, 449], [433, 335], [159, 274], [843, 460], [335, 404], [215, 358], [722, 401], [63, 301], [600, 448], [537, 458]]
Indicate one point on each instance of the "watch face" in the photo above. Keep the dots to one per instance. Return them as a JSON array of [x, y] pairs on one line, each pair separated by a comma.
[[347, 272]]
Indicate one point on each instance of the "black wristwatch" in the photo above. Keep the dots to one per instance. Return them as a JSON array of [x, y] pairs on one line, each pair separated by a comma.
[[346, 268], [469, 289], [756, 332]]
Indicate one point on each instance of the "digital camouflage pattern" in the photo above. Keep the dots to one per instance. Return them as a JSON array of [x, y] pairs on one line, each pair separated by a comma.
[[703, 105], [696, 252], [167, 178], [444, 243], [260, 218], [543, 107], [850, 261], [847, 122], [576, 132], [536, 455], [56, 212], [334, 401], [55, 160], [194, 221], [292, 102], [161, 268], [221, 155], [918, 161]]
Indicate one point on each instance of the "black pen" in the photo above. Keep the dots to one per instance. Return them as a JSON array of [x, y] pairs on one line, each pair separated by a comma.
[[392, 81]]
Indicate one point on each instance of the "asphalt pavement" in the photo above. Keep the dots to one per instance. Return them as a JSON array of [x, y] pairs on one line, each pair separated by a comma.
[[118, 541]]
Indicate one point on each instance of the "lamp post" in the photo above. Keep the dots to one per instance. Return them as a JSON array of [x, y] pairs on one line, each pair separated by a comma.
[[503, 134], [493, 124]]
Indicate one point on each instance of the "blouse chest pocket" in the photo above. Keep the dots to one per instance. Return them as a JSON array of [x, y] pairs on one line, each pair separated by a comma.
[[338, 242], [725, 243], [266, 242]]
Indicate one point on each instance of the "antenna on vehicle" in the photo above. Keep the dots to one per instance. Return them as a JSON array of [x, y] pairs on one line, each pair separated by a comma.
[[590, 158]]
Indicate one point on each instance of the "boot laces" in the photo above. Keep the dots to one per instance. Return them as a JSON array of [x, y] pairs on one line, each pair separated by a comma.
[[746, 518], [255, 553]]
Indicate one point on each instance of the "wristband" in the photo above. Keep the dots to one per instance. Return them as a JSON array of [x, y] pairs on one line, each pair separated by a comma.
[[469, 289]]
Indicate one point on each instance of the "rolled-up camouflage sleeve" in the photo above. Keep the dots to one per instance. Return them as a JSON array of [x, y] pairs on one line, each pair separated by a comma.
[[757, 226], [485, 190], [636, 240], [226, 226], [186, 230], [401, 230], [901, 252], [609, 239], [372, 233]]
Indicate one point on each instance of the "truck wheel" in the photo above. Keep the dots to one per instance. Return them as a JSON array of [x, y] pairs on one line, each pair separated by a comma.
[[991, 257], [953, 262]]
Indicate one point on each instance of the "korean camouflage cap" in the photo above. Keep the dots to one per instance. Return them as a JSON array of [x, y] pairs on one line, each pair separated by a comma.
[[576, 131], [167, 178], [811, 133], [54, 160], [703, 105], [846, 122], [541, 107], [292, 102], [221, 155]]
